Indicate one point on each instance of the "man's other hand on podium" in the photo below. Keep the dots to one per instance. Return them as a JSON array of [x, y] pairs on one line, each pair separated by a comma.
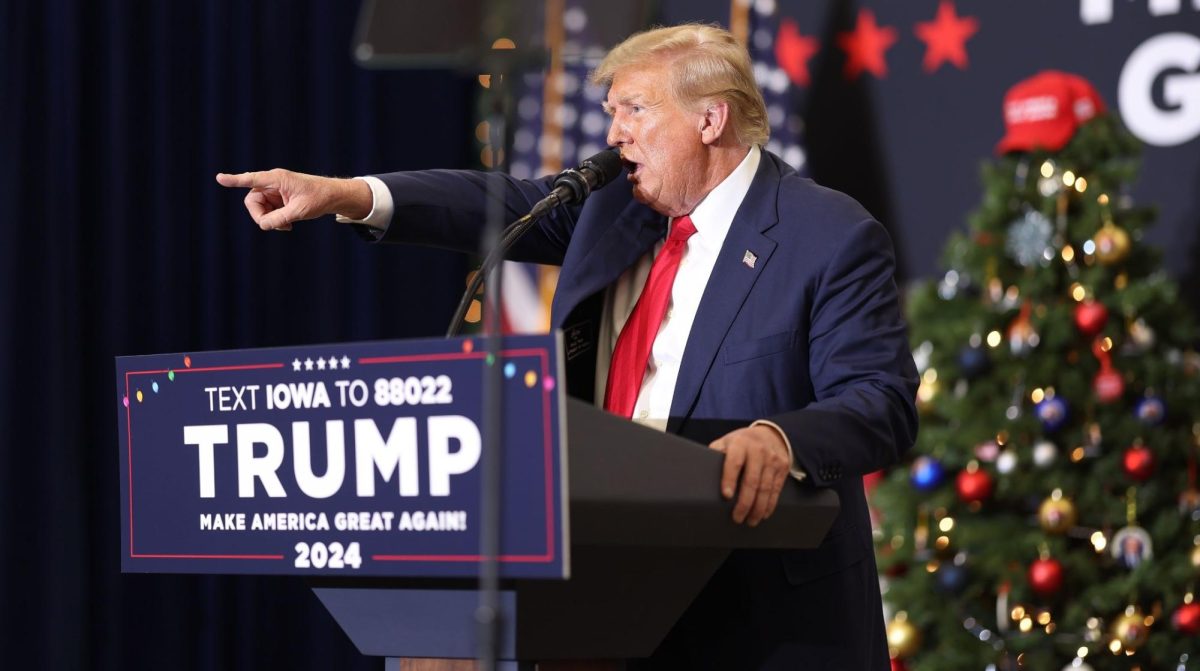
[[757, 463], [278, 198]]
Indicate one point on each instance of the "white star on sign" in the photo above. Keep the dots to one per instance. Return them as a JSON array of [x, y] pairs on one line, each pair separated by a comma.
[[308, 364], [295, 364], [320, 363], [332, 363], [345, 361]]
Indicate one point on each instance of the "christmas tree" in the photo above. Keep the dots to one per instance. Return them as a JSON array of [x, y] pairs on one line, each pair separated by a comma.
[[1048, 516]]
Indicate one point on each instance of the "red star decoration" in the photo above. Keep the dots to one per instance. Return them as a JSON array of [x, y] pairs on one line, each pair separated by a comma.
[[946, 37], [792, 51], [864, 46]]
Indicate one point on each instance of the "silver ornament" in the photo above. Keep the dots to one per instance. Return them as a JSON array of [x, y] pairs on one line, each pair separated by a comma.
[[921, 355], [1007, 462], [1049, 186], [1028, 241], [951, 283], [1044, 453], [1131, 546]]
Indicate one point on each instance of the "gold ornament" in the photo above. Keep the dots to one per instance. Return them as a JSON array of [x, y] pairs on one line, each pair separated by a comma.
[[902, 637], [1129, 631], [1057, 513], [1112, 243], [1141, 336], [1196, 557], [926, 396]]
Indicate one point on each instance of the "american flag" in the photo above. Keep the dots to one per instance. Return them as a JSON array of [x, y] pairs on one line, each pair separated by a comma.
[[780, 95], [560, 122]]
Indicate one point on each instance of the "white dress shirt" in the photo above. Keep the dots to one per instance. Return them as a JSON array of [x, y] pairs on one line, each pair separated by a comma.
[[712, 219]]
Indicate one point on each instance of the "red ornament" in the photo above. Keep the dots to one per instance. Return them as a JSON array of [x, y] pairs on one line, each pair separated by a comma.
[[974, 484], [1109, 385], [1138, 462], [898, 664], [1186, 620], [1090, 317], [897, 570], [1046, 577]]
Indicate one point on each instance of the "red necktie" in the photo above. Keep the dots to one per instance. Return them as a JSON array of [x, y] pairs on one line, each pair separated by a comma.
[[632, 352]]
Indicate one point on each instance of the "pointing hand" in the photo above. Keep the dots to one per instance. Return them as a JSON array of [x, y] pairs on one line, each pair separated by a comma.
[[278, 198]]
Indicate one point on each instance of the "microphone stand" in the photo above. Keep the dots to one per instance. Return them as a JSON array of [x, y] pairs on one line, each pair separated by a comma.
[[488, 617], [490, 262]]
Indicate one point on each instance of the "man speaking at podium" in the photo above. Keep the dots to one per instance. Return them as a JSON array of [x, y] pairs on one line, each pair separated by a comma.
[[711, 282]]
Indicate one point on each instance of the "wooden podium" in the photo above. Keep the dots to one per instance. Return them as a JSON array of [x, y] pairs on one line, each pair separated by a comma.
[[647, 530]]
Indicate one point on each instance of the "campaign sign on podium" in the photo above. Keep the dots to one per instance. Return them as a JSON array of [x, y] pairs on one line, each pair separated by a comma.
[[348, 459]]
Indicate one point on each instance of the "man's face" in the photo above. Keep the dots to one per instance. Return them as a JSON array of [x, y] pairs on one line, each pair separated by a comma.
[[660, 141]]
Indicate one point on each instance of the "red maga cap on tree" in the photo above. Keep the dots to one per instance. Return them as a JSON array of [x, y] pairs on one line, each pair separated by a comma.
[[1042, 112]]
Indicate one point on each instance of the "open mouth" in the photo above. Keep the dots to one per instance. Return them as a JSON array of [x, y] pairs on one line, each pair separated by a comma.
[[631, 167]]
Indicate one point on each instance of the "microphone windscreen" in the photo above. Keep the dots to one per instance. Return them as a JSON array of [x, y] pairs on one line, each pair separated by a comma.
[[606, 165]]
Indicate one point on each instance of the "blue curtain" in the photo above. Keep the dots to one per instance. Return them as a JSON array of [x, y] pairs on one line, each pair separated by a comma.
[[114, 117]]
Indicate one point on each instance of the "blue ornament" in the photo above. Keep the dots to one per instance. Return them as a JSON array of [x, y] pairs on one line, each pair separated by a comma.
[[973, 362], [1150, 411], [927, 473], [951, 578], [1052, 412]]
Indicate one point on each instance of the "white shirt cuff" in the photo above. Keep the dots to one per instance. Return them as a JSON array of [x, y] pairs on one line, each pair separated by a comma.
[[382, 206], [795, 470]]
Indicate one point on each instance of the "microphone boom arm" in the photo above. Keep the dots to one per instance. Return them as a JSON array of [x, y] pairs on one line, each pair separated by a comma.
[[511, 234]]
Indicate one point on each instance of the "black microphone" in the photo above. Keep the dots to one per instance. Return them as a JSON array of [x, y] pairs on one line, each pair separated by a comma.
[[575, 184]]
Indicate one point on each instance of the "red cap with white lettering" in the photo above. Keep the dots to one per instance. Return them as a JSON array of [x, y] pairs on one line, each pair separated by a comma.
[[1044, 111]]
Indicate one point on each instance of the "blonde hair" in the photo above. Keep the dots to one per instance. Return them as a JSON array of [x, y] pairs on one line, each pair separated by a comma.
[[706, 63]]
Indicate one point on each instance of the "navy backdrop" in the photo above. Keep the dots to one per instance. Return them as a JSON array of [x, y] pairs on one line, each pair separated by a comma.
[[114, 116]]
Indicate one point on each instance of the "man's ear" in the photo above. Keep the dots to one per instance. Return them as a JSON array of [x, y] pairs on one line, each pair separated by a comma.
[[715, 121]]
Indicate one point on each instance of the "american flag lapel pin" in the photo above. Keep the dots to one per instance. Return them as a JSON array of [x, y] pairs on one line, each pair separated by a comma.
[[750, 258]]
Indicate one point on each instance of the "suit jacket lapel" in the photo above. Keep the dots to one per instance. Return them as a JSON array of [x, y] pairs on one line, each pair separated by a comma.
[[730, 283], [606, 250]]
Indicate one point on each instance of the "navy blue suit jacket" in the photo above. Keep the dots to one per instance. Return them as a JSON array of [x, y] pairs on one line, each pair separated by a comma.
[[809, 335]]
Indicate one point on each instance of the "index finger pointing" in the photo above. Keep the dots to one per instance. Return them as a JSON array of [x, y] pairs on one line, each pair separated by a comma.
[[246, 180]]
